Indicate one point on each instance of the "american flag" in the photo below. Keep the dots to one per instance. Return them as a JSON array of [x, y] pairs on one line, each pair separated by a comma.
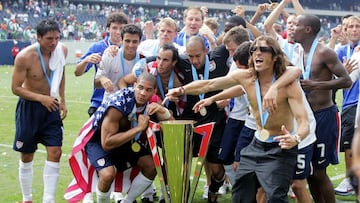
[[85, 177]]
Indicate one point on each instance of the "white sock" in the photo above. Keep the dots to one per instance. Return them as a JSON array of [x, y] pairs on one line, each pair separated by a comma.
[[25, 179], [102, 197], [50, 178], [138, 185], [148, 193]]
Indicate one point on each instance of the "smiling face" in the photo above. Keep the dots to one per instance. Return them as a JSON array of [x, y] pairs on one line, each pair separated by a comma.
[[130, 44], [262, 56], [115, 32]]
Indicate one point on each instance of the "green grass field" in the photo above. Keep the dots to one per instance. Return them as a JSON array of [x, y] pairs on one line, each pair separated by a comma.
[[78, 91]]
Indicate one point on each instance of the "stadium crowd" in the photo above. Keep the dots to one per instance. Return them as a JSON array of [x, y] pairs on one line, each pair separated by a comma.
[[85, 21]]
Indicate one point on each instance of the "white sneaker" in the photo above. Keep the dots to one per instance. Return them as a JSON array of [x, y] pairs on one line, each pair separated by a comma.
[[117, 196], [88, 198], [344, 188], [206, 191], [223, 189]]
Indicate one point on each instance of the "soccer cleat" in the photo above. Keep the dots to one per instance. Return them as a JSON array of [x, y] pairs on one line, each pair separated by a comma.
[[26, 202], [291, 194], [344, 188], [206, 192], [146, 200], [224, 189], [117, 196]]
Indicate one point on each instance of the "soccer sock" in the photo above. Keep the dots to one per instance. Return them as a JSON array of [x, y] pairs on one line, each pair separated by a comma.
[[50, 178], [102, 196], [25, 179], [216, 184], [138, 185], [148, 193]]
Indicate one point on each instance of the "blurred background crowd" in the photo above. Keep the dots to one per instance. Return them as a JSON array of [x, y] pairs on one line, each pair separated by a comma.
[[84, 20]]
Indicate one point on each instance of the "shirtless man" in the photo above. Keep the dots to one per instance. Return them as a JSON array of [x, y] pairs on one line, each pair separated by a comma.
[[273, 137], [39, 83], [321, 63]]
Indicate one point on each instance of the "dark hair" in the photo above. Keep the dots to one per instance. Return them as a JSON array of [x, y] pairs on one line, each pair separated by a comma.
[[234, 21], [173, 49], [312, 21], [280, 63], [119, 17], [236, 34], [242, 54], [196, 41], [46, 26], [131, 29], [148, 77]]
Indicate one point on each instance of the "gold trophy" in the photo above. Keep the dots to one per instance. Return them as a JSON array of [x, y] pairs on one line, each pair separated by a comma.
[[177, 149]]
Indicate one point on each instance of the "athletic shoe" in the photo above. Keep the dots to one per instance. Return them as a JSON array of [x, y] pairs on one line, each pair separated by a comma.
[[117, 196], [224, 189], [146, 200], [26, 202], [88, 198], [206, 191], [345, 188], [291, 194]]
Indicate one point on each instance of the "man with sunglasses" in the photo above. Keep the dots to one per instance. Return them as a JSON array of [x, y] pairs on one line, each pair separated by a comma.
[[269, 160], [320, 64]]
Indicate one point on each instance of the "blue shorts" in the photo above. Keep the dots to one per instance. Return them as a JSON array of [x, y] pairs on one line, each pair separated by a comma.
[[326, 147], [122, 157], [230, 138], [246, 136], [35, 124], [303, 163], [347, 127]]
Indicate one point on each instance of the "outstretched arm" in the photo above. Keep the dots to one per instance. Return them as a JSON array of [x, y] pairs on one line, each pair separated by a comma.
[[232, 92], [269, 101]]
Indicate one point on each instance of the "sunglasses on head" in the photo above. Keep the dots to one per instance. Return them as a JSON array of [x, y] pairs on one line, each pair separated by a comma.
[[262, 49]]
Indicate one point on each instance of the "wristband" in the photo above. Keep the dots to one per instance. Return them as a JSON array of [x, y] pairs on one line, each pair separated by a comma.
[[164, 116]]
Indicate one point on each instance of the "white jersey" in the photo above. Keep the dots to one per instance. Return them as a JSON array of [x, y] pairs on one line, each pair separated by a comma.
[[151, 47], [295, 52], [111, 67]]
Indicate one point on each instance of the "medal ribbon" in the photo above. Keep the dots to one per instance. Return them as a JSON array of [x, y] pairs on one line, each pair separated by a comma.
[[289, 53], [170, 86], [43, 66], [264, 116], [306, 72], [206, 73], [137, 57], [134, 122]]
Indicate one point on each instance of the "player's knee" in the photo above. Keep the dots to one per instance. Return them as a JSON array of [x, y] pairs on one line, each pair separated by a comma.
[[107, 175]]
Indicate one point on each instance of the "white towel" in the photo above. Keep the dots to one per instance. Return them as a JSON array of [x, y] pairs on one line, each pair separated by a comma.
[[56, 63]]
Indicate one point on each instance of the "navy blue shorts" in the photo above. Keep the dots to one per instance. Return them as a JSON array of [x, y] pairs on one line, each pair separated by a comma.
[[246, 136], [303, 163], [230, 138], [326, 147], [35, 124], [122, 157], [347, 127]]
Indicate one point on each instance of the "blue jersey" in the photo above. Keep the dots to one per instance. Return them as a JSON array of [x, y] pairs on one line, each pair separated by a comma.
[[123, 100], [350, 96], [181, 39], [97, 47]]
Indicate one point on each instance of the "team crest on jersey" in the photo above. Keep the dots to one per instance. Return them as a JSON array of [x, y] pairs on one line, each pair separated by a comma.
[[212, 65], [19, 144], [101, 162]]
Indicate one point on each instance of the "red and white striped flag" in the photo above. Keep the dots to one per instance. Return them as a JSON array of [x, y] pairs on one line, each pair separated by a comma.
[[85, 177]]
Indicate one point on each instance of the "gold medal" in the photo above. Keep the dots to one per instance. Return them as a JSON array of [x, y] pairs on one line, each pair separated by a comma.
[[135, 147], [264, 135], [203, 111]]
